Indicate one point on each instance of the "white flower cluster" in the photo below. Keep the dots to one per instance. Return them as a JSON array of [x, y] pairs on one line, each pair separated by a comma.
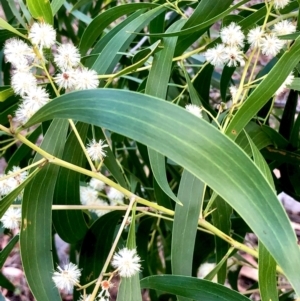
[[9, 184], [11, 218], [230, 52], [89, 195], [28, 62], [269, 43], [280, 3]]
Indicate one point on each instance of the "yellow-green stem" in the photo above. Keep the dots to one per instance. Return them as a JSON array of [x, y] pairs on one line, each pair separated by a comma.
[[12, 174]]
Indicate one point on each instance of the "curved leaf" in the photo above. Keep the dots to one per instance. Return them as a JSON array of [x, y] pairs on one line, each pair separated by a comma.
[[99, 23], [197, 289], [35, 236], [41, 10], [8, 248], [197, 146], [191, 192], [157, 85], [5, 25], [70, 225]]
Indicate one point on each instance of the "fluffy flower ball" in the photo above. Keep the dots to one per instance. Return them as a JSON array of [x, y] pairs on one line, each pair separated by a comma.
[[11, 218], [127, 262], [195, 110], [67, 56], [96, 149], [42, 35], [66, 278]]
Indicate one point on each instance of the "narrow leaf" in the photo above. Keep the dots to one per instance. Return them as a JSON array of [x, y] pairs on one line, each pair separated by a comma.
[[56, 5], [192, 288], [99, 23], [191, 191], [8, 248], [157, 85], [70, 224], [5, 25], [35, 236], [41, 10]]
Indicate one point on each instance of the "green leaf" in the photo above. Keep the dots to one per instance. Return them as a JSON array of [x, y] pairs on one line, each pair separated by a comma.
[[203, 25], [5, 25], [41, 10], [111, 162], [221, 219], [70, 225], [109, 56], [35, 236], [16, 12], [295, 85], [266, 263], [192, 288], [5, 283], [265, 90], [267, 275], [8, 248], [198, 147], [96, 27], [56, 5], [129, 288], [258, 136], [77, 14], [4, 94], [191, 192], [139, 63], [157, 85], [261, 162]]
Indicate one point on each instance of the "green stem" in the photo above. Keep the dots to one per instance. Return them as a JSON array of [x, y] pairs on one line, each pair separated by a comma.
[[40, 162]]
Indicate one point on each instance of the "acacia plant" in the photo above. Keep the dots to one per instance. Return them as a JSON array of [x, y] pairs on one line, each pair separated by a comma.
[[144, 135]]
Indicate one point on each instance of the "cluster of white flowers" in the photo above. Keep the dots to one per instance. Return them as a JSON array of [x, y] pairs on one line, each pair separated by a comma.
[[127, 262], [67, 277], [11, 218], [28, 60], [115, 196], [7, 185], [89, 195], [71, 76], [269, 43], [280, 3], [230, 52]]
